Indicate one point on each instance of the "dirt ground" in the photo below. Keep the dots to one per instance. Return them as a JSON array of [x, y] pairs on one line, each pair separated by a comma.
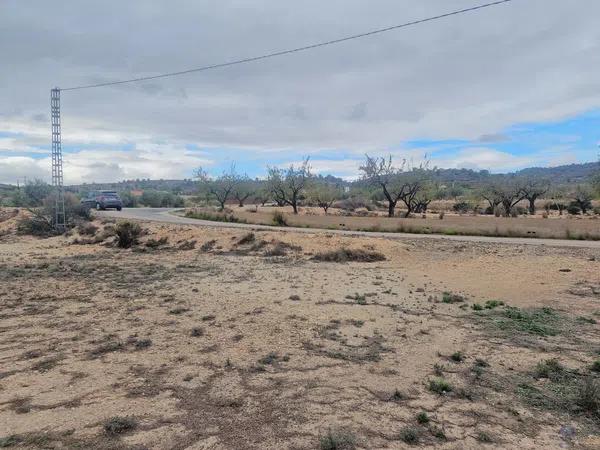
[[555, 226], [224, 339]]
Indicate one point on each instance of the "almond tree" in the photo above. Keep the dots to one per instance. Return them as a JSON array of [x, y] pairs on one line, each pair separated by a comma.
[[532, 189], [397, 183], [243, 190], [287, 186], [489, 193], [381, 173], [509, 193], [221, 187], [324, 195], [582, 197]]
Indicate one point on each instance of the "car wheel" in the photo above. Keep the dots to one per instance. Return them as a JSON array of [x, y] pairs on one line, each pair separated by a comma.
[[118, 208]]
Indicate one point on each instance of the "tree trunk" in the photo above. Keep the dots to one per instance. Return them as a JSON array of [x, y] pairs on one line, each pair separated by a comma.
[[532, 206], [391, 208], [507, 208], [295, 207]]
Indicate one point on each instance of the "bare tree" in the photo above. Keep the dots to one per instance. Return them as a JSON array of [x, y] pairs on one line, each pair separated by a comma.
[[262, 196], [582, 197], [380, 172], [222, 186], [424, 197], [324, 195], [532, 189], [243, 190], [559, 198], [287, 186], [489, 193], [510, 193], [414, 195], [397, 183]]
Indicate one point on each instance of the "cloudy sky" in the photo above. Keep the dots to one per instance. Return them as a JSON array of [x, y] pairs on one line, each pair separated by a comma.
[[503, 88]]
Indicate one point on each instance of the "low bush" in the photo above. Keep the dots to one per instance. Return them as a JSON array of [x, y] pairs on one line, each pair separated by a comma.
[[588, 396], [337, 440], [410, 435], [36, 224], [213, 216], [461, 207], [541, 322], [118, 425], [279, 219], [440, 386], [156, 243], [550, 368], [87, 229], [449, 297], [128, 234], [246, 239], [573, 209], [423, 418], [349, 255]]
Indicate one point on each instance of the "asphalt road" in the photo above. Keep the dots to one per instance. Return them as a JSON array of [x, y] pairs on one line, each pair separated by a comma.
[[165, 215]]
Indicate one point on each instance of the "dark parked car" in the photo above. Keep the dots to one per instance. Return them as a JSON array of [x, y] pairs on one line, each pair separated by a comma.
[[103, 200]]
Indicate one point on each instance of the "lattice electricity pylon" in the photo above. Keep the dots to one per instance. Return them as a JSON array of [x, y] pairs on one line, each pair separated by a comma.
[[57, 162]]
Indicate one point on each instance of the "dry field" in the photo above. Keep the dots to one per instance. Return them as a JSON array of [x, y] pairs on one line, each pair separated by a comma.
[[556, 227], [221, 339]]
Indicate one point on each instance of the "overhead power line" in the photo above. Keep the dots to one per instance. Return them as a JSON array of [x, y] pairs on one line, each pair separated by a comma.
[[293, 50]]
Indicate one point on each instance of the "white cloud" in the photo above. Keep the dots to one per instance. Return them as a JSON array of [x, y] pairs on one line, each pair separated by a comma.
[[466, 77], [153, 161], [483, 158]]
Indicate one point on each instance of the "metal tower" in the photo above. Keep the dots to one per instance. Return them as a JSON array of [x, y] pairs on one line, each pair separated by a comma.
[[57, 162]]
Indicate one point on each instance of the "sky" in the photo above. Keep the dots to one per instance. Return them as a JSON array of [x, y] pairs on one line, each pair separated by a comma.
[[507, 87]]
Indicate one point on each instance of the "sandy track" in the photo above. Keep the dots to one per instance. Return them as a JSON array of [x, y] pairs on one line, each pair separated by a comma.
[[165, 215]]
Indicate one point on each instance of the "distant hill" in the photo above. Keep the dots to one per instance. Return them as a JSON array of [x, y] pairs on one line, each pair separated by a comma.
[[185, 186], [566, 174], [571, 173]]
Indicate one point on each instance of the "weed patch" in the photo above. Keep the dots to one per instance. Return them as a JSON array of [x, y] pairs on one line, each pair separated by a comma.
[[119, 425], [539, 321], [349, 255], [337, 440], [440, 386], [449, 297]]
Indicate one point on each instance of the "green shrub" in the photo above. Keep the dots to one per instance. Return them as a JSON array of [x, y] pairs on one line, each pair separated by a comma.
[[457, 357], [550, 368], [279, 219], [337, 440], [213, 216], [588, 396], [440, 385], [462, 207], [422, 418], [491, 304], [128, 234], [409, 435], [118, 425], [542, 322], [573, 209], [448, 297]]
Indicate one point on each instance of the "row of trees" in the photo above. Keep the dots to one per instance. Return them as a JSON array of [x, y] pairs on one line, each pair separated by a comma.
[[382, 181]]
